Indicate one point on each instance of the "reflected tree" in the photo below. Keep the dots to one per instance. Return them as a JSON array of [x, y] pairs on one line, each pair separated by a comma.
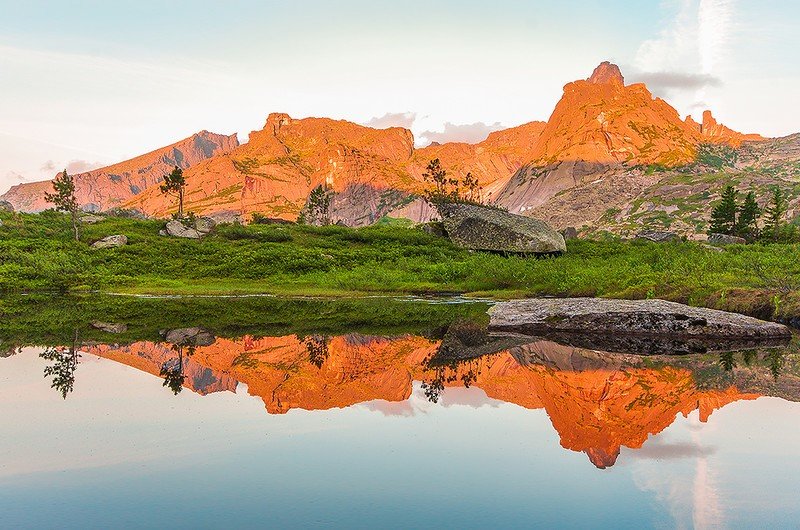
[[749, 357], [727, 360], [317, 348], [173, 370], [65, 363], [464, 371], [777, 360]]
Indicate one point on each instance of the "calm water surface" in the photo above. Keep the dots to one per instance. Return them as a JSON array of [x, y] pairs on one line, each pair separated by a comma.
[[342, 421]]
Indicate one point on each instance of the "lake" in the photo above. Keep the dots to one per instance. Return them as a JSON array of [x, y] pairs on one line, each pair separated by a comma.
[[389, 413]]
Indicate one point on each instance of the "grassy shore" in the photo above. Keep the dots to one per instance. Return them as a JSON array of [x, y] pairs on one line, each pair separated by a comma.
[[37, 255]]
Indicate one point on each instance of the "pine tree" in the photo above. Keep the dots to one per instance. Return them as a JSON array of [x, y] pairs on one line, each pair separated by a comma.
[[773, 214], [65, 200], [174, 184], [749, 212], [319, 205], [723, 216]]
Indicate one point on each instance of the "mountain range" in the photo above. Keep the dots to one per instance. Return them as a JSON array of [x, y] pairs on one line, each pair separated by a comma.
[[610, 157]]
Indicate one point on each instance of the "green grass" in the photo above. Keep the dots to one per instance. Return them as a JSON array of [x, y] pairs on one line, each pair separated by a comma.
[[37, 255]]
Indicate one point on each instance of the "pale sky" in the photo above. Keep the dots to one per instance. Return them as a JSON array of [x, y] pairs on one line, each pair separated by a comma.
[[87, 83]]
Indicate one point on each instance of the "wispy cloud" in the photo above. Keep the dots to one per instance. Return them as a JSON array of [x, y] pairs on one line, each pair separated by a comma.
[[397, 119], [470, 132], [687, 53]]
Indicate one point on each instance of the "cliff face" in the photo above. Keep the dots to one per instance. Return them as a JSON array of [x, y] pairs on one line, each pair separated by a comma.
[[108, 187], [598, 402], [371, 171], [598, 126]]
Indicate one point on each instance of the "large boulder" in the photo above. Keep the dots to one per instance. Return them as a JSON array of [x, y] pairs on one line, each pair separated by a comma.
[[657, 236], [485, 228], [117, 240], [725, 239], [178, 229], [204, 225], [6, 206], [627, 317]]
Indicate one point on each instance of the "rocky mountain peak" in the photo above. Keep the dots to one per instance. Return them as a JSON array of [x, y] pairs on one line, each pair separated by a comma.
[[607, 72], [276, 120]]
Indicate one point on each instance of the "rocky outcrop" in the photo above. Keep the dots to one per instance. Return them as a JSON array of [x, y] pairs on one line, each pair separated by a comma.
[[111, 242], [725, 239], [628, 317], [6, 206], [599, 128], [370, 172], [108, 187], [657, 236], [176, 228], [204, 225], [484, 228]]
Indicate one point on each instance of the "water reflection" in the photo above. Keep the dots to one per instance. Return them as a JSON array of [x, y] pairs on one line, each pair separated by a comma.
[[598, 400]]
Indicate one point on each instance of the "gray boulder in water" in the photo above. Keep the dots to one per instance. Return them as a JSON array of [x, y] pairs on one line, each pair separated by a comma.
[[631, 317], [111, 242], [484, 228]]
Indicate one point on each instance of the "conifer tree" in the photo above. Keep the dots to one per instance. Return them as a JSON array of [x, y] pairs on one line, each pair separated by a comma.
[[723, 216], [65, 200], [773, 215], [175, 184], [749, 212]]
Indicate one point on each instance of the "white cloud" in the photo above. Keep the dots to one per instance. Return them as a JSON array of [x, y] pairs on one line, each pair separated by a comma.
[[470, 133], [398, 119], [688, 54]]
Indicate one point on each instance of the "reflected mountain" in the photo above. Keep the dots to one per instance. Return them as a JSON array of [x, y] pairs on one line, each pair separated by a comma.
[[598, 400]]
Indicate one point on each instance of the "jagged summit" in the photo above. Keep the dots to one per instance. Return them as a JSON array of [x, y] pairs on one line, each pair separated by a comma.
[[607, 72]]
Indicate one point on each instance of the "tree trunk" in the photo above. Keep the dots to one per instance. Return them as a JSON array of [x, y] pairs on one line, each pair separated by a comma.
[[75, 225], [180, 203]]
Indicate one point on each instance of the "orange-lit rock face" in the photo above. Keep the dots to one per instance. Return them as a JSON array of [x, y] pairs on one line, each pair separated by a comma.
[[150, 357], [596, 404], [109, 187], [714, 132], [602, 120], [599, 124], [276, 170]]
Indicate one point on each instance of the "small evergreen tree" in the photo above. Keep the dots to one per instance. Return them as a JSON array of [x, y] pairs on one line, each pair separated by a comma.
[[319, 205], [63, 197], [175, 184], [773, 214], [746, 223], [723, 216]]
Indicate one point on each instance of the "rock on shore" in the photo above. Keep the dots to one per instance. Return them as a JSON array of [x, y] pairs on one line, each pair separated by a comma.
[[484, 228], [627, 317]]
